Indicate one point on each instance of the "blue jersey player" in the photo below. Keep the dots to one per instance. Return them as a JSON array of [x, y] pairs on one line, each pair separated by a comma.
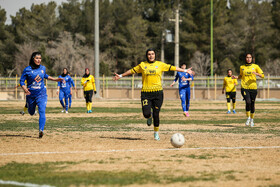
[[64, 89], [35, 90], [184, 89], [72, 84]]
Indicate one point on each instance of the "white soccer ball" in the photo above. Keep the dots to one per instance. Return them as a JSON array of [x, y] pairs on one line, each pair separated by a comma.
[[177, 140]]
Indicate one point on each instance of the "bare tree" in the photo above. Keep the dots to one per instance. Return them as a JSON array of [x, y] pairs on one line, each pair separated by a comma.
[[23, 56], [272, 67], [71, 54], [201, 64]]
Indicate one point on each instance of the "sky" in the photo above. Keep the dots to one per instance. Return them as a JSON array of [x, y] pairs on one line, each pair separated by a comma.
[[13, 6]]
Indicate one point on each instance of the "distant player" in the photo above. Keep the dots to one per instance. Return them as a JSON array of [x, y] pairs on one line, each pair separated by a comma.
[[230, 86], [63, 89], [35, 90], [152, 92], [72, 85], [184, 89], [88, 83], [248, 73]]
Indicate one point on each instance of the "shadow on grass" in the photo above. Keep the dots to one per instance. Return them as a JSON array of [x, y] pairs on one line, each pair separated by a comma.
[[225, 125], [122, 138], [18, 135]]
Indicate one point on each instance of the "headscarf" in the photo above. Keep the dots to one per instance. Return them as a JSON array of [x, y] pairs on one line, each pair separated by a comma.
[[31, 61], [63, 75], [150, 49], [86, 75]]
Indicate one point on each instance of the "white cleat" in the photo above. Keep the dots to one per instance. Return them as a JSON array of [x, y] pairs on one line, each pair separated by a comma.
[[248, 121], [66, 112], [252, 123], [62, 111]]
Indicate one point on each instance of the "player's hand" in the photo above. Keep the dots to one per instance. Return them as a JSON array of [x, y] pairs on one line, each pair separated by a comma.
[[94, 92], [184, 78], [171, 85], [189, 70], [234, 77], [59, 79], [26, 91], [223, 91], [116, 77]]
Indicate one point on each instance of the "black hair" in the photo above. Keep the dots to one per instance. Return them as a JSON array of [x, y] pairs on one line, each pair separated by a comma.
[[63, 75], [150, 49], [229, 70], [31, 61], [183, 64]]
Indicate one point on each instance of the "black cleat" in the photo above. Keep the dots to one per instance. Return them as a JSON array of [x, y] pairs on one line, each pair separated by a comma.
[[22, 112], [41, 134]]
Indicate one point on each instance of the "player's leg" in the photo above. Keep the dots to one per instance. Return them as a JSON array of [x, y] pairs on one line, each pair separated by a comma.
[[157, 101], [233, 98], [146, 107], [61, 97], [90, 101], [188, 97], [24, 109], [66, 98], [182, 93], [246, 96], [228, 102], [86, 95], [42, 104], [31, 105], [253, 95], [70, 100]]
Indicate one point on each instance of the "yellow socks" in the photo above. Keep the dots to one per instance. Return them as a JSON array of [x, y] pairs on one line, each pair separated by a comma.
[[156, 129], [252, 115], [248, 113], [87, 106], [90, 106], [233, 106], [24, 109], [228, 106]]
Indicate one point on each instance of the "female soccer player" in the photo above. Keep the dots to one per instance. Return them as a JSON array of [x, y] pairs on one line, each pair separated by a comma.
[[249, 90], [184, 89], [152, 93], [35, 90], [64, 89], [230, 86], [72, 84], [88, 83]]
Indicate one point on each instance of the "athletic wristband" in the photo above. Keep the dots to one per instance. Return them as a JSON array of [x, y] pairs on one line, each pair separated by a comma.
[[58, 90], [185, 70], [120, 75]]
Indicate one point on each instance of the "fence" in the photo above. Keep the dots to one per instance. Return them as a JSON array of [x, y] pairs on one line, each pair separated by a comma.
[[132, 83]]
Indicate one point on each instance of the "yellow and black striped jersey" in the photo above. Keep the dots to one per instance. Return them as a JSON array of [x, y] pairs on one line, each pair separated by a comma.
[[230, 84], [90, 84], [152, 74], [248, 79]]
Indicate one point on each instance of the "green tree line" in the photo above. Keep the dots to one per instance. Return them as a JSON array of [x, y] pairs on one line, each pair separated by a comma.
[[65, 34]]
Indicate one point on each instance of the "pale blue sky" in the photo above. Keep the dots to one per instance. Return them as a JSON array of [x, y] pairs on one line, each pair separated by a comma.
[[12, 6]]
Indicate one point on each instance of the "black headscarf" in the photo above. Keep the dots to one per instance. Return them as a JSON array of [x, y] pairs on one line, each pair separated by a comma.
[[86, 75], [150, 49], [63, 75], [31, 61]]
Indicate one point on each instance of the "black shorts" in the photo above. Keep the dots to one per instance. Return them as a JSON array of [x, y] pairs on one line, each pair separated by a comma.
[[151, 100], [249, 95], [88, 96], [230, 95]]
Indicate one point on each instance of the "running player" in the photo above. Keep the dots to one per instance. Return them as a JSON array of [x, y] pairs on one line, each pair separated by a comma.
[[63, 89], [152, 92], [230, 86], [184, 89], [72, 84], [88, 83], [35, 90], [248, 73]]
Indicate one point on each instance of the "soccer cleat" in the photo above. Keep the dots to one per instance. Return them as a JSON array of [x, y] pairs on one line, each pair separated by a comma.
[[22, 112], [41, 134], [228, 112], [187, 114], [252, 123], [149, 121], [233, 111], [248, 121], [156, 136], [87, 111], [66, 112], [62, 111], [35, 113], [90, 111]]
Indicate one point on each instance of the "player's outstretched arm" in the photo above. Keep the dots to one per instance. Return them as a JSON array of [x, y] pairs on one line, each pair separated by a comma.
[[55, 79], [118, 76], [189, 70]]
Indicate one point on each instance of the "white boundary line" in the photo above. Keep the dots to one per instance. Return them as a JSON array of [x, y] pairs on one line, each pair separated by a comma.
[[15, 183], [138, 150]]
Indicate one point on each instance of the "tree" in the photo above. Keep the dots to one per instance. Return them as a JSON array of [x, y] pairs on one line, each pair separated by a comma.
[[201, 64]]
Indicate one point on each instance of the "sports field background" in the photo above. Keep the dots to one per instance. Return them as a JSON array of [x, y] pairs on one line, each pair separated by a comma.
[[114, 146]]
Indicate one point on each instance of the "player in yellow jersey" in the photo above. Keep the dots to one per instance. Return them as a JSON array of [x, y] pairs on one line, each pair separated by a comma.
[[230, 86], [88, 83], [152, 92], [248, 73]]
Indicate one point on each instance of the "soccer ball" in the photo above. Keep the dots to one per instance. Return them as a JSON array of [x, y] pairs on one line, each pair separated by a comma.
[[177, 140]]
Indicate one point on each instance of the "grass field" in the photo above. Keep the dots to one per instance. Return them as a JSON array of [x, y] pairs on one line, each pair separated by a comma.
[[113, 146]]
